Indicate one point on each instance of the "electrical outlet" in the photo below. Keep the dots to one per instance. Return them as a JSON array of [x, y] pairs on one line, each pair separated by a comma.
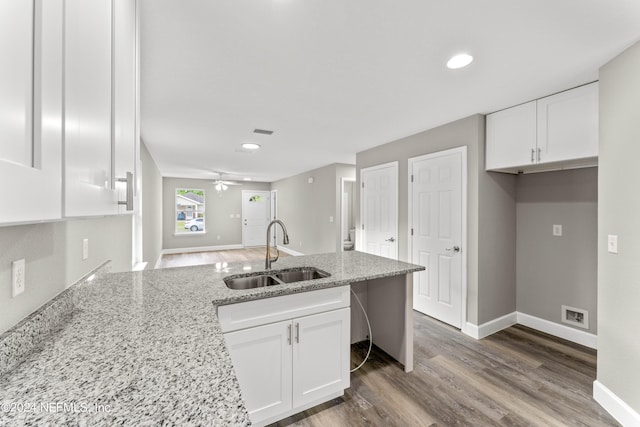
[[557, 230], [85, 249], [17, 277], [330, 218]]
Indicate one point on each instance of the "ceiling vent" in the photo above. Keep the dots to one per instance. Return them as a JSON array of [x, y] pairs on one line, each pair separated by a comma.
[[263, 131]]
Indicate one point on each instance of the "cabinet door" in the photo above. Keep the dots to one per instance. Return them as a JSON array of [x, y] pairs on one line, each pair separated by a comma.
[[30, 110], [320, 355], [511, 137], [568, 125], [262, 360], [89, 185], [124, 67]]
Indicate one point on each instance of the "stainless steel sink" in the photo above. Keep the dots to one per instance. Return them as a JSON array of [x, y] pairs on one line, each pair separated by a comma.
[[274, 277], [298, 275], [251, 282]]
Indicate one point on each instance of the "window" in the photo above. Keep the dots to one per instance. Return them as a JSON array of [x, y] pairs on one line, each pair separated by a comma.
[[189, 211]]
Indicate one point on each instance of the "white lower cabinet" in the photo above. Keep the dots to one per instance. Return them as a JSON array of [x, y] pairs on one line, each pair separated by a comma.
[[291, 365]]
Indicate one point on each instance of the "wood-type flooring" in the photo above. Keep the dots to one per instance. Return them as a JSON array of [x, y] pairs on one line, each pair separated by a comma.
[[212, 257], [516, 377]]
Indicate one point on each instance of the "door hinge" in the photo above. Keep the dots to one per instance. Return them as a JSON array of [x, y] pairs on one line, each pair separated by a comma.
[[412, 231], [363, 226], [363, 185], [411, 177]]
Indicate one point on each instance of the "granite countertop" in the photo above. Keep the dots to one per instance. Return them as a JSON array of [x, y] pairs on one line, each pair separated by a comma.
[[145, 348]]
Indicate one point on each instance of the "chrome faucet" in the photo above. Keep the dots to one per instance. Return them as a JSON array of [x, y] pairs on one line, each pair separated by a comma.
[[285, 241]]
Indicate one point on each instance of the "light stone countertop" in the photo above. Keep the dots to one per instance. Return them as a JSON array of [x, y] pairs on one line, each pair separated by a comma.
[[145, 348]]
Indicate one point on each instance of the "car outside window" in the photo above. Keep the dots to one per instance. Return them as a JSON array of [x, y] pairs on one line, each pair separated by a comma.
[[190, 211]]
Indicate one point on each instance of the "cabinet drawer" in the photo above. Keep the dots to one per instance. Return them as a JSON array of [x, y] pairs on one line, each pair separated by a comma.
[[269, 310]]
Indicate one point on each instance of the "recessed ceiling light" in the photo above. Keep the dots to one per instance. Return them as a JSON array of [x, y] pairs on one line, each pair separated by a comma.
[[247, 179], [250, 146], [459, 61]]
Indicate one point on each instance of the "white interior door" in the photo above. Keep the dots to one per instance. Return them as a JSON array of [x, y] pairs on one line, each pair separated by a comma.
[[256, 210], [379, 201], [436, 220]]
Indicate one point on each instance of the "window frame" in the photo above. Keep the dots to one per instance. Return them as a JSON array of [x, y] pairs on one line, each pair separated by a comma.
[[198, 211]]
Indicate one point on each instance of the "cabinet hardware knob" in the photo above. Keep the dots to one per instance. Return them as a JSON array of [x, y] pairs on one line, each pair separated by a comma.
[[289, 334], [533, 153]]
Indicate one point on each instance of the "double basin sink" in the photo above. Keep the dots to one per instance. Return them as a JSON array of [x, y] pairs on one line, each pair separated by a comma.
[[274, 277]]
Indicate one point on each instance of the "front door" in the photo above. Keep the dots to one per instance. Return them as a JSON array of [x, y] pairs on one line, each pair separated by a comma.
[[380, 210], [255, 217], [436, 212]]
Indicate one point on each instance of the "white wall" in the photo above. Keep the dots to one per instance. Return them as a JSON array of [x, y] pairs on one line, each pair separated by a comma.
[[554, 271], [151, 208], [619, 214], [306, 209], [217, 213], [490, 219], [53, 255]]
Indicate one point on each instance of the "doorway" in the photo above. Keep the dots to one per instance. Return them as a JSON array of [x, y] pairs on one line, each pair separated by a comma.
[[437, 233], [256, 211], [379, 210]]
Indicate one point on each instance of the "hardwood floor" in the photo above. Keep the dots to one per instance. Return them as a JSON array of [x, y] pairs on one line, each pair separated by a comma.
[[211, 257], [516, 377]]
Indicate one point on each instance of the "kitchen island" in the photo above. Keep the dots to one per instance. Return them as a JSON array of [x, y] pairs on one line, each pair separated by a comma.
[[147, 347]]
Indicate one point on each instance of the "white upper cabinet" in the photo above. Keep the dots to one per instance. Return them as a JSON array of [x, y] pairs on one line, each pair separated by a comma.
[[30, 110], [124, 100], [511, 136], [556, 132], [89, 183], [568, 125]]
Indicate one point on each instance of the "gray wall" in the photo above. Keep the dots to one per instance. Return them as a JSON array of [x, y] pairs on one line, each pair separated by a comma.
[[217, 211], [53, 255], [151, 208], [305, 208], [619, 214], [552, 271], [491, 206]]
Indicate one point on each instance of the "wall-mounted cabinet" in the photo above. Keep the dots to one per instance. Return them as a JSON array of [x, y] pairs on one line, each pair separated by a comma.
[[68, 90], [30, 110], [89, 181], [556, 132]]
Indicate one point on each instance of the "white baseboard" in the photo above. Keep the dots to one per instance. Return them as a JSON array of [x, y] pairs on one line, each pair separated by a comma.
[[617, 407], [289, 251], [568, 333], [200, 249], [561, 331], [491, 327]]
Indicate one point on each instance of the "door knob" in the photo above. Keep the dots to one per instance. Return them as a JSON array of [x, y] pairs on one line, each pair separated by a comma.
[[390, 239], [454, 249]]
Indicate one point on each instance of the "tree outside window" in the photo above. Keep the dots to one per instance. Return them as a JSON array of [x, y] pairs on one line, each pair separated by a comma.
[[190, 211]]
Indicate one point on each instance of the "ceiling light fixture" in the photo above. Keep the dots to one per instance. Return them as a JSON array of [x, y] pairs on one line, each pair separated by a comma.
[[247, 179], [459, 61], [250, 146]]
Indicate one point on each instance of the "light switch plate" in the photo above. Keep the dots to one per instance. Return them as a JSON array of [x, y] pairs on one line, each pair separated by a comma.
[[557, 230], [612, 244]]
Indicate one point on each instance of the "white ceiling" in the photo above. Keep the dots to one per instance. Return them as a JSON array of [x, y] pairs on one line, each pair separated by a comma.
[[335, 77]]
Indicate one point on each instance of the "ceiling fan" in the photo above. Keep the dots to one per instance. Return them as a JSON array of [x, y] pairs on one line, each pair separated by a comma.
[[221, 185]]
